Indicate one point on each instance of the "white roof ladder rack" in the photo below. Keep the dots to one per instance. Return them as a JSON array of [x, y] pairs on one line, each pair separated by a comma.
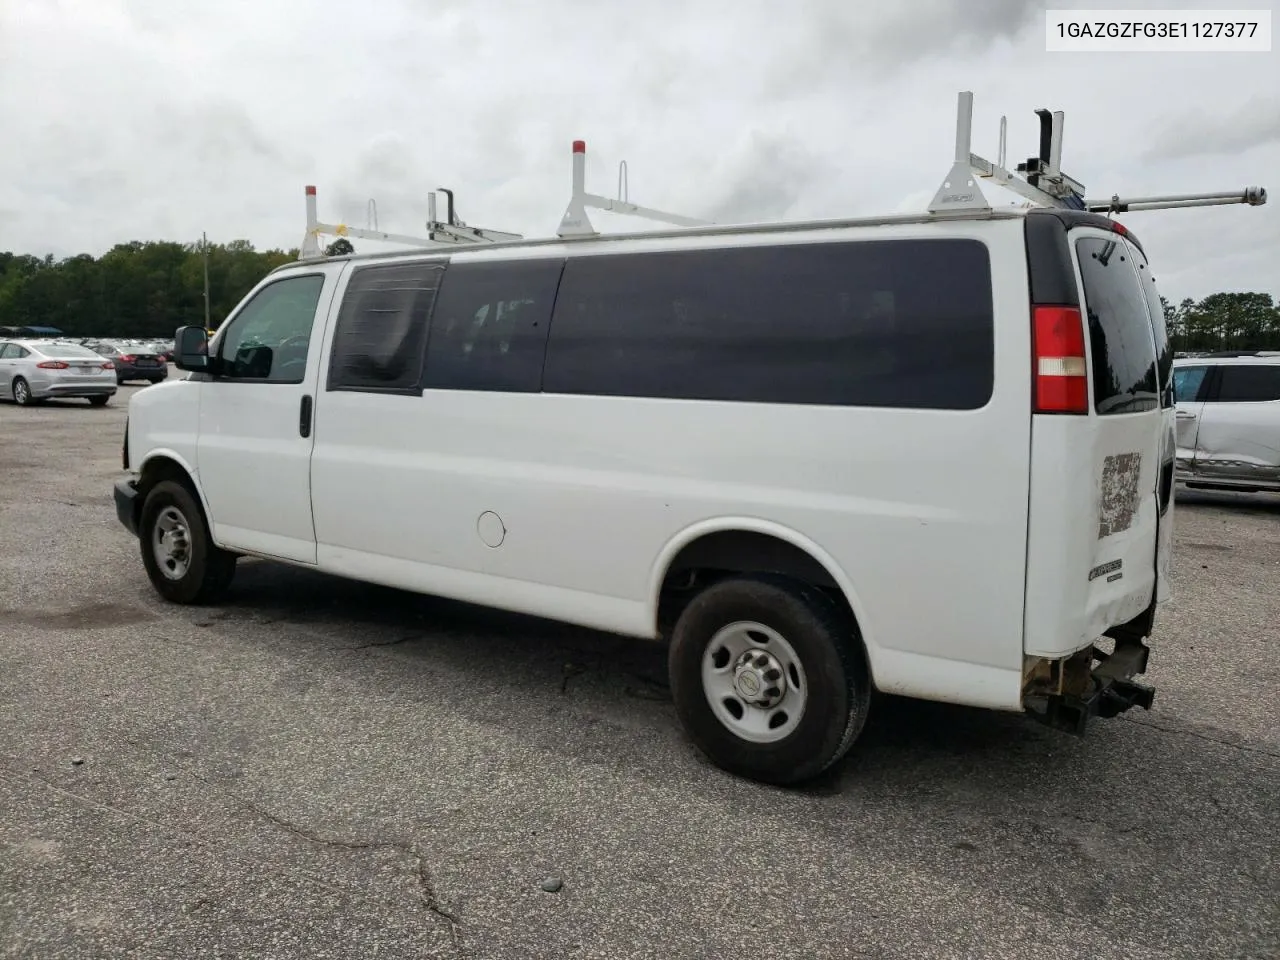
[[1045, 184], [576, 223], [451, 231]]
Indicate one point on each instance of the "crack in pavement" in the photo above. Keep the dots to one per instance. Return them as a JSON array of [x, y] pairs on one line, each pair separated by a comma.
[[426, 886], [387, 643], [93, 804], [1201, 736], [569, 671], [422, 873]]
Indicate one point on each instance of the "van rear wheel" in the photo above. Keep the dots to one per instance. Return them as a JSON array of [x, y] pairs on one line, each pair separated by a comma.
[[181, 559], [768, 678]]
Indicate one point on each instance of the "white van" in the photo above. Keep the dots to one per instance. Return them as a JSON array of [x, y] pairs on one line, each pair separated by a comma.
[[926, 455]]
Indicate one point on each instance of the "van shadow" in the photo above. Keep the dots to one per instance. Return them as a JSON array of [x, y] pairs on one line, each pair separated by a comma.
[[481, 640], [605, 699]]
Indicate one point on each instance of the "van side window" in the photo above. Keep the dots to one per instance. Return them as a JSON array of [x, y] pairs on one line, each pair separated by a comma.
[[1188, 382], [898, 323], [1248, 383], [268, 339], [381, 330], [489, 330], [1121, 338], [1155, 308]]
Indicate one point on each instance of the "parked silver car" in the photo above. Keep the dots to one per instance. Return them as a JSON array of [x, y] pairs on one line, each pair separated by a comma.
[[36, 370], [1229, 421]]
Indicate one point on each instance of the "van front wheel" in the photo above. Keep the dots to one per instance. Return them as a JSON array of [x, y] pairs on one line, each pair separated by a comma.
[[768, 679], [181, 559]]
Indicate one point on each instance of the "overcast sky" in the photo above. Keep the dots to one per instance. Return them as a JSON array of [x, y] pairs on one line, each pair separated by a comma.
[[157, 119]]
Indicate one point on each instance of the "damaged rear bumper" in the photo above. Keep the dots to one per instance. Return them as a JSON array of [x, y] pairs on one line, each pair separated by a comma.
[[1091, 684]]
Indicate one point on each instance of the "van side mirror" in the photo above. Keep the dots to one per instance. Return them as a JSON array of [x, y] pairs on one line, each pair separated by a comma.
[[191, 349]]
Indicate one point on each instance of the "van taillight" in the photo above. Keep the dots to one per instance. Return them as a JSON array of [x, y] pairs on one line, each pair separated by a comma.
[[1061, 374]]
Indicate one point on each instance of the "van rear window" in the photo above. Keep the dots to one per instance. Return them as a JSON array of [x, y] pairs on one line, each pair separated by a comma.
[[1125, 377], [382, 327]]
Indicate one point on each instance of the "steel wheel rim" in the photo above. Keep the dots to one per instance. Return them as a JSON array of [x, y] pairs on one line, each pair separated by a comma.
[[171, 543], [754, 682]]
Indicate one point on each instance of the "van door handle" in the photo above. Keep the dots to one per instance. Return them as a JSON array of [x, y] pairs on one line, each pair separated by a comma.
[[304, 416], [1185, 416]]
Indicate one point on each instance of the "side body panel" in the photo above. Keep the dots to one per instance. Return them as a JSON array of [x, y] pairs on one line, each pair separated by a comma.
[[569, 506]]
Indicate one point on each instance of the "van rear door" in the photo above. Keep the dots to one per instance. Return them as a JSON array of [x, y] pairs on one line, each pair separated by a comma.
[[1168, 424], [1100, 439]]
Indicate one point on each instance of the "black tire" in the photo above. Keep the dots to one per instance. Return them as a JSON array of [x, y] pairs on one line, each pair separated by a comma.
[[99, 401], [21, 392], [834, 671], [208, 570]]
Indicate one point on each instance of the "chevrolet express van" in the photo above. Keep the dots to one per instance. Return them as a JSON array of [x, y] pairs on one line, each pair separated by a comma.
[[930, 456]]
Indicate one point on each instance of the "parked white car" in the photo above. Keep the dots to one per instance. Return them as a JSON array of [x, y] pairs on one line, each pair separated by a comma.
[[1229, 421], [35, 370], [927, 455]]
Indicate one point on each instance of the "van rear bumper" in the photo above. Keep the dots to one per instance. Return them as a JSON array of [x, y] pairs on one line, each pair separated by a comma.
[[1107, 690]]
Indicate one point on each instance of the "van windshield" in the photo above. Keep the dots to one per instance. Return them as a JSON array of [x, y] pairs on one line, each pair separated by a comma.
[[1125, 377]]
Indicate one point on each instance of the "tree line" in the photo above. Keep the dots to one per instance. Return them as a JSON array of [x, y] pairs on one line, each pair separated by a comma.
[[148, 289], [1224, 321], [133, 290]]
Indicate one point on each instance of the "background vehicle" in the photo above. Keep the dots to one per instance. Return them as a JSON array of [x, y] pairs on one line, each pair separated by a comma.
[[133, 363], [1229, 421], [36, 370]]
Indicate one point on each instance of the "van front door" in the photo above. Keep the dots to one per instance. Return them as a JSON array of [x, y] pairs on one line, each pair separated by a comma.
[[254, 446]]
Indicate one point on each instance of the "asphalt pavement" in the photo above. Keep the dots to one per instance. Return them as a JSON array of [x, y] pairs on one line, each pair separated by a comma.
[[321, 768]]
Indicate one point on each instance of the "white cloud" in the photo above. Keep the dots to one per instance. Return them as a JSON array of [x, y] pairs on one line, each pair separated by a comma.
[[157, 119]]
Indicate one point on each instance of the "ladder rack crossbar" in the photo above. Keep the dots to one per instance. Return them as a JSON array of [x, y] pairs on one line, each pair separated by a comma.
[[439, 233], [1039, 180], [1250, 196], [1045, 184]]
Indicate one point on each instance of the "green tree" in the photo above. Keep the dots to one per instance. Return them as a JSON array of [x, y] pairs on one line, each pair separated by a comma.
[[135, 289], [1228, 321]]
